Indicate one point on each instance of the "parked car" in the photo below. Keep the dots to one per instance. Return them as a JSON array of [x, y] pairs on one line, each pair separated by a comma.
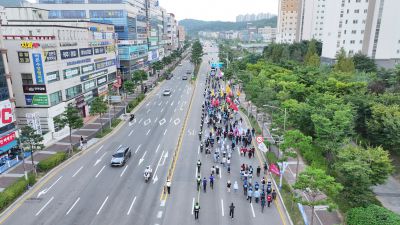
[[120, 156], [184, 77], [188, 72], [167, 92], [169, 76], [180, 64]]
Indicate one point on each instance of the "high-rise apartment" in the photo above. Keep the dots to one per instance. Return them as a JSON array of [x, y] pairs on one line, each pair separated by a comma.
[[288, 13]]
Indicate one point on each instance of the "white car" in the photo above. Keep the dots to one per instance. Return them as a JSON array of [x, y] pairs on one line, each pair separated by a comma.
[[167, 92], [180, 64]]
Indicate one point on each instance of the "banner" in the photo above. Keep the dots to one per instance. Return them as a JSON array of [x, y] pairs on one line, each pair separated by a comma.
[[274, 169], [38, 67], [6, 113]]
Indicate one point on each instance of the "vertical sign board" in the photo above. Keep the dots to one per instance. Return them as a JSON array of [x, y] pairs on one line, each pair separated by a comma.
[[33, 120], [38, 67]]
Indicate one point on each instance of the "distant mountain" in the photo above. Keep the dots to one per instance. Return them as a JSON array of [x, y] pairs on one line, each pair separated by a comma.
[[193, 26]]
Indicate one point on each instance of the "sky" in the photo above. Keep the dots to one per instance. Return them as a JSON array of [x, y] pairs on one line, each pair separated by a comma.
[[224, 10]]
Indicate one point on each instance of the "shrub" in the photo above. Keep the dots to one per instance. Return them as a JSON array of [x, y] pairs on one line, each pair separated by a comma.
[[115, 122], [52, 161], [372, 215], [15, 190], [104, 133], [271, 157]]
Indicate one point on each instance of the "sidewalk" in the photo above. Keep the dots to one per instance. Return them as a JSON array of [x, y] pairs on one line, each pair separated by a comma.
[[88, 131], [321, 215]]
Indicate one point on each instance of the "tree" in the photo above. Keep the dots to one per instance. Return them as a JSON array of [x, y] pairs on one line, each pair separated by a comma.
[[298, 142], [157, 65], [197, 52], [319, 186], [140, 75], [364, 63], [129, 86], [71, 118], [372, 215], [30, 138], [166, 60], [311, 58], [358, 169], [344, 63], [98, 106]]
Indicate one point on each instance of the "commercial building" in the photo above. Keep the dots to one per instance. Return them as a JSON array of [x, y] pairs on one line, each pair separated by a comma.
[[268, 34], [181, 36], [288, 13], [171, 33], [57, 63], [8, 128]]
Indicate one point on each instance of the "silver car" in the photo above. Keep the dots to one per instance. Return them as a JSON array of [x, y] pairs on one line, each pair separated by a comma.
[[120, 157], [167, 92]]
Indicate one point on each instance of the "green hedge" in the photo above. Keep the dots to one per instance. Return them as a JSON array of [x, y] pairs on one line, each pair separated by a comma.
[[15, 190], [115, 122], [104, 133], [132, 104], [372, 215], [52, 161]]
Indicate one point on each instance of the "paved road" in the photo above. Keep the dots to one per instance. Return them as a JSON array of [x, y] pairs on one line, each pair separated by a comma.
[[88, 191], [214, 203]]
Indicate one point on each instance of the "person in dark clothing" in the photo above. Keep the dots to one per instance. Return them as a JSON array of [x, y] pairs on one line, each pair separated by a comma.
[[196, 210], [273, 194], [204, 184], [231, 210], [258, 171]]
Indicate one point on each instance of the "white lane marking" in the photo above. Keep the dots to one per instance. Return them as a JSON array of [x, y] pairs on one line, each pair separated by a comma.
[[100, 172], [142, 159], [220, 174], [192, 206], [196, 173], [177, 121], [162, 109], [126, 167], [238, 151], [102, 205], [130, 208], [140, 120], [77, 171], [162, 204], [148, 132], [172, 103], [99, 149], [198, 150], [44, 191], [77, 200], [158, 164], [51, 199], [155, 121], [130, 133], [148, 111], [161, 122], [170, 120], [252, 210], [159, 214], [165, 131], [160, 102], [146, 122], [148, 104], [175, 110], [167, 102], [158, 147], [101, 158], [222, 207], [138, 147]]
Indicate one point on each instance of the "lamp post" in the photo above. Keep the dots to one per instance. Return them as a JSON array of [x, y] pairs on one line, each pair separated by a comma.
[[284, 119]]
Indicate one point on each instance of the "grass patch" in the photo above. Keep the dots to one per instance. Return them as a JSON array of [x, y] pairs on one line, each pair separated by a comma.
[[253, 121], [271, 157], [196, 69], [51, 162], [132, 104], [291, 206], [115, 122], [103, 133], [11, 193]]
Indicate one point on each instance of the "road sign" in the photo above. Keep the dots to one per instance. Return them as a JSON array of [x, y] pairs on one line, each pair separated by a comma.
[[259, 139]]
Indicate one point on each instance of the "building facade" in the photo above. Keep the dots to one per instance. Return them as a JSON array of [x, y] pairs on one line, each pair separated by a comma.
[[55, 64], [181, 36], [268, 34], [171, 33], [288, 13]]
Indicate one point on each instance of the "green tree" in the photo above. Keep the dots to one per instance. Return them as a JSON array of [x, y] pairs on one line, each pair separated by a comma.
[[364, 63], [100, 107], [319, 187], [31, 139], [157, 65], [296, 142], [129, 86], [139, 75], [311, 58], [197, 52], [358, 169], [344, 63], [166, 60], [71, 118], [383, 127], [372, 215]]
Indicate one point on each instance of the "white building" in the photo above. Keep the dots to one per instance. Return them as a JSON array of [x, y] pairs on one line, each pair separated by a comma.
[[287, 20], [54, 64], [363, 26], [267, 33], [171, 33]]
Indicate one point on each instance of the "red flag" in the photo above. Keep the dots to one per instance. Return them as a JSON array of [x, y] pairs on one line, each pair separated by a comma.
[[274, 169], [228, 100], [233, 106]]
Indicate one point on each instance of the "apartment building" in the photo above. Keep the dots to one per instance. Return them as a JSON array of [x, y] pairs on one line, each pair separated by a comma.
[[181, 36], [268, 34], [56, 63], [288, 13], [171, 33]]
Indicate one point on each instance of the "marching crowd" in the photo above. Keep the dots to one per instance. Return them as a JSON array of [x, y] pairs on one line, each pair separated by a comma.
[[224, 133]]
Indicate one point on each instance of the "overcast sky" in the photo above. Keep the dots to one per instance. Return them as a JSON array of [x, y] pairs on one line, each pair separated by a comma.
[[224, 10]]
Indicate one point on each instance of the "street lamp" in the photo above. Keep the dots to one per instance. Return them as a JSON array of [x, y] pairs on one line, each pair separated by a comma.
[[284, 119]]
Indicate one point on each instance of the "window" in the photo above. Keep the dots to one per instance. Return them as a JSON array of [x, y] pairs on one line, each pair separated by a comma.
[[104, 1], [355, 21], [55, 98], [106, 14], [67, 14], [365, 10], [73, 91], [56, 127], [53, 76], [353, 31], [23, 57], [26, 78], [356, 11], [71, 72], [352, 41]]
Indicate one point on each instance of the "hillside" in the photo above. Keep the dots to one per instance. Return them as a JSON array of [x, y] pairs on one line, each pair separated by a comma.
[[193, 26]]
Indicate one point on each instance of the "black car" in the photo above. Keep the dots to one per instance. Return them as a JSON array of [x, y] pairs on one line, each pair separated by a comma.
[[184, 77]]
